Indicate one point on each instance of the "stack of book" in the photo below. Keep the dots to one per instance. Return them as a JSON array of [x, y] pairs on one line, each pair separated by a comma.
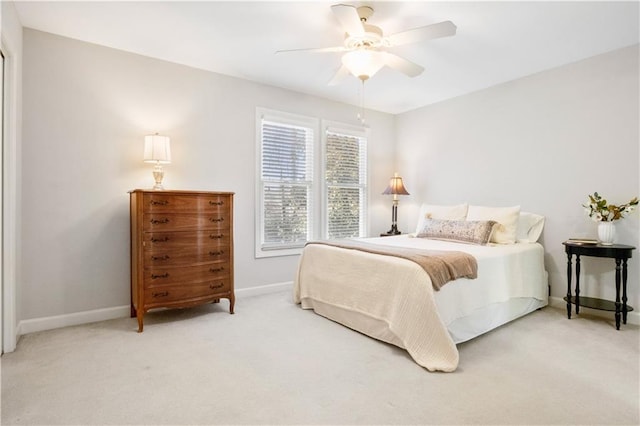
[[585, 241]]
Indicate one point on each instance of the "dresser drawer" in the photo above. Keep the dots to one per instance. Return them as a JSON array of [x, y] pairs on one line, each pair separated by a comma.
[[186, 256], [186, 221], [159, 276], [181, 295], [164, 202], [200, 240]]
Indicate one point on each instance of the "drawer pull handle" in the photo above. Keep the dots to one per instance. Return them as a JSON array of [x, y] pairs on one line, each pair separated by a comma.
[[216, 237], [216, 203], [216, 253], [161, 294], [165, 257], [159, 202], [160, 221], [214, 270], [155, 276], [159, 240], [213, 287], [216, 219]]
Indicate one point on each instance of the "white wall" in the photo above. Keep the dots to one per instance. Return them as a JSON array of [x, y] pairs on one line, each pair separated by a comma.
[[86, 111], [545, 142]]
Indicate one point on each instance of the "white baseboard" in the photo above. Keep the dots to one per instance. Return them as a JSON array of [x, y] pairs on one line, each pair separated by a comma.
[[558, 302], [264, 289], [77, 318]]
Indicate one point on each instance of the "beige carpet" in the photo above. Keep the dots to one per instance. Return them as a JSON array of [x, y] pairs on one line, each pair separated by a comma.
[[273, 363]]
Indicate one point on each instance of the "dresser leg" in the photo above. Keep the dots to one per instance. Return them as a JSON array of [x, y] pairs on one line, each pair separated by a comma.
[[232, 302], [140, 323]]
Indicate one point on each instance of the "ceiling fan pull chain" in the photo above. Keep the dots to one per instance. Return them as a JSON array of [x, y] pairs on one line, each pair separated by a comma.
[[361, 115]]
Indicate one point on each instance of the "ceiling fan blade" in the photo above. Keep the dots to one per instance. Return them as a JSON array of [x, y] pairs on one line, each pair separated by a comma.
[[316, 50], [429, 32], [400, 64], [340, 75], [348, 17]]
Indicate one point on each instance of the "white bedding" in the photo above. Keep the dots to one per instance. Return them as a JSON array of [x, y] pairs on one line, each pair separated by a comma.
[[392, 299]]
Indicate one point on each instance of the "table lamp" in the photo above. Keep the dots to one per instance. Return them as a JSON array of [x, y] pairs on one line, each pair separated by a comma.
[[157, 150], [395, 188]]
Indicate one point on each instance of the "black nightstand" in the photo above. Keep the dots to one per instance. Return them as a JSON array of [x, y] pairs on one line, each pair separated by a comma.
[[621, 253]]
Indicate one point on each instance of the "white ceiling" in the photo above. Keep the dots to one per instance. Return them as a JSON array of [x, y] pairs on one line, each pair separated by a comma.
[[495, 41]]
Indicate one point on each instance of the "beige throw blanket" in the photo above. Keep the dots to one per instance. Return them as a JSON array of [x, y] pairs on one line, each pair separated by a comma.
[[385, 297], [442, 266]]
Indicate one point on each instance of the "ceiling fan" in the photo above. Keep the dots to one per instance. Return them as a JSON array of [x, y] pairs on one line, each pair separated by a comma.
[[364, 42]]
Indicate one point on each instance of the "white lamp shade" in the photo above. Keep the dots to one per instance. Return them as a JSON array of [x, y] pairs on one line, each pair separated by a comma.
[[157, 149], [363, 63]]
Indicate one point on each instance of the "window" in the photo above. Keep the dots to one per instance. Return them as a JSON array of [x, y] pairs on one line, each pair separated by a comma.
[[285, 217], [345, 177], [306, 190]]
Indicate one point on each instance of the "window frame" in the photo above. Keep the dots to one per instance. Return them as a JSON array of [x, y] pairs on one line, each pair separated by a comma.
[[312, 213]]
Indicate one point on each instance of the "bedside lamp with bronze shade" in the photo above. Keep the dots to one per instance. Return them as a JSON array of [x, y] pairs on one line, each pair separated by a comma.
[[395, 188], [157, 150]]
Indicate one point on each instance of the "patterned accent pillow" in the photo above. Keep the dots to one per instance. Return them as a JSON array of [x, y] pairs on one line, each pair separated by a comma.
[[442, 212], [462, 231]]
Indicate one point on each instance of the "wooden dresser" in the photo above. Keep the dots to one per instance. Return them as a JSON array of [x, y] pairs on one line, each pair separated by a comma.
[[181, 249]]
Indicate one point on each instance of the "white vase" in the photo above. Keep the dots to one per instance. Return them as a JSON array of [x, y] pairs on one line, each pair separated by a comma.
[[606, 233]]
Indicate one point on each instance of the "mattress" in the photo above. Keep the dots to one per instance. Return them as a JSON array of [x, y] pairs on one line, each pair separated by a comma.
[[391, 299]]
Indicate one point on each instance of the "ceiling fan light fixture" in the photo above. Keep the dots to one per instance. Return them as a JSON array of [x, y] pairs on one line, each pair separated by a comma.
[[363, 63]]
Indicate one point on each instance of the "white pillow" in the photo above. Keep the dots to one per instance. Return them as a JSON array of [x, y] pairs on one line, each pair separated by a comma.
[[433, 211], [507, 217], [529, 227]]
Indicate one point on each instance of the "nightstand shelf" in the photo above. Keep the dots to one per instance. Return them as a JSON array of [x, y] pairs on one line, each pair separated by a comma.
[[593, 303]]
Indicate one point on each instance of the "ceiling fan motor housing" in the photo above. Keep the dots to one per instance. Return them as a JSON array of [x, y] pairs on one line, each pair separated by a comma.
[[372, 38]]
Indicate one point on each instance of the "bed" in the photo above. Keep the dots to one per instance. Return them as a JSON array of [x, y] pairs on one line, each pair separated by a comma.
[[392, 298]]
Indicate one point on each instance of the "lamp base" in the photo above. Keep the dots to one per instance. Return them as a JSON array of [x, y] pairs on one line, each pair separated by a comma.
[[393, 230], [158, 175]]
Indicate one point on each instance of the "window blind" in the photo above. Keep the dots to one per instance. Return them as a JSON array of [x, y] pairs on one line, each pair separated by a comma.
[[346, 185]]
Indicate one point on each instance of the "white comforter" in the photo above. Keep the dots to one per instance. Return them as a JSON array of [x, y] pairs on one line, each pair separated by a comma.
[[392, 299]]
